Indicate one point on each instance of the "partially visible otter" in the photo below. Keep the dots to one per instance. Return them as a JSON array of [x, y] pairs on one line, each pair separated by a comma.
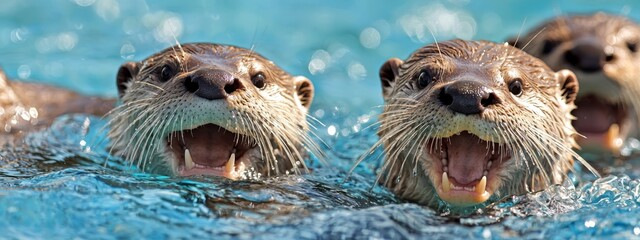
[[26, 107], [467, 120], [602, 50], [211, 109]]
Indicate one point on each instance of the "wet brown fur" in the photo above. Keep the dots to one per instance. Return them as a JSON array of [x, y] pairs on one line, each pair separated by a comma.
[[27, 107], [537, 124], [275, 117]]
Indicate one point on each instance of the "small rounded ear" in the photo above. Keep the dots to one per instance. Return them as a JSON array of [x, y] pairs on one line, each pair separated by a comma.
[[388, 75], [304, 90], [126, 73], [568, 84]]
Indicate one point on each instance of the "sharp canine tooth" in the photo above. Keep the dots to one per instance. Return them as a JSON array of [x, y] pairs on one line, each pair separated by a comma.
[[230, 166], [188, 161], [445, 182], [482, 185], [612, 137]]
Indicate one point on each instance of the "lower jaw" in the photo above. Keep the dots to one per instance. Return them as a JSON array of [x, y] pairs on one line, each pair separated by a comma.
[[235, 174], [463, 198], [233, 169]]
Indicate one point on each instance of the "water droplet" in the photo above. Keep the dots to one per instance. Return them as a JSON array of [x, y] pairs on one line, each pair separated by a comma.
[[356, 71], [398, 179], [19, 35], [127, 51], [590, 223], [25, 115], [24, 71], [84, 3], [331, 130], [370, 38], [486, 233]]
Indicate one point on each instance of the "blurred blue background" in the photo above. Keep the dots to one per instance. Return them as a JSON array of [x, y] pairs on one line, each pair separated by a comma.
[[340, 45]]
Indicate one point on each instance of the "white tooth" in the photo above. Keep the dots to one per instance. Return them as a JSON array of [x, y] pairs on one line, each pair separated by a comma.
[[489, 164], [188, 161], [445, 182], [612, 137], [482, 185], [485, 173], [230, 166], [444, 162]]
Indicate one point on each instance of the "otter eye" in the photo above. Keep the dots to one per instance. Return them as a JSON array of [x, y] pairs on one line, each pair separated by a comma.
[[515, 87], [166, 73], [424, 78], [632, 46], [258, 80], [549, 45]]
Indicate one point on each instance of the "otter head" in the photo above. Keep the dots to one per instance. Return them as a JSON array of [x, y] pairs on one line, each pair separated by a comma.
[[464, 121], [602, 50], [209, 109]]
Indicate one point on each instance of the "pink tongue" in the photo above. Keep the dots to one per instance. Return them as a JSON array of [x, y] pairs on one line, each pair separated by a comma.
[[593, 116], [467, 157], [209, 145]]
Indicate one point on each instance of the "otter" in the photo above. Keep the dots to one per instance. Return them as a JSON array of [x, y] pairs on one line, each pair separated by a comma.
[[602, 50], [211, 109], [464, 121], [26, 107]]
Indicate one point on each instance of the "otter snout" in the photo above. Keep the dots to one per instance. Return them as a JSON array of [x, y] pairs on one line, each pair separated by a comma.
[[212, 84], [588, 57], [467, 97]]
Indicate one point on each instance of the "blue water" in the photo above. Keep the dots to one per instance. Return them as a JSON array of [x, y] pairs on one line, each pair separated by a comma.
[[59, 184]]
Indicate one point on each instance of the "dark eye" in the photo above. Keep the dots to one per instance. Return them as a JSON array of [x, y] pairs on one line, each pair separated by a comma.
[[632, 46], [166, 73], [424, 78], [549, 45], [258, 80], [515, 87]]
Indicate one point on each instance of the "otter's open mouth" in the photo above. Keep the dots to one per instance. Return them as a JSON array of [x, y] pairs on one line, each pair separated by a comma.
[[210, 150], [601, 122], [467, 171]]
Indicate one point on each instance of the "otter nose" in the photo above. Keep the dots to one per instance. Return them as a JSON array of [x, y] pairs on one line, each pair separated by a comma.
[[467, 97], [212, 83], [587, 57]]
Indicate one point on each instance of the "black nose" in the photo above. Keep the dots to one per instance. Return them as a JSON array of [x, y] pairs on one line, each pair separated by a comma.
[[212, 83], [587, 57], [467, 97]]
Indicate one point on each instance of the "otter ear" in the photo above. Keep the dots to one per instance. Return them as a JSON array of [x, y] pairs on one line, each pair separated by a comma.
[[126, 73], [304, 90], [388, 75], [568, 84]]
